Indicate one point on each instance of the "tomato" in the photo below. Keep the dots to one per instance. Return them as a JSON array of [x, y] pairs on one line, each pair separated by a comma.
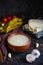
[[9, 18], [4, 20], [14, 16]]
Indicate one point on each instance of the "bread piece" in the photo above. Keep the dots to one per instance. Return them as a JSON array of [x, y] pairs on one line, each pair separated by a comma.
[[33, 23], [1, 56], [36, 25]]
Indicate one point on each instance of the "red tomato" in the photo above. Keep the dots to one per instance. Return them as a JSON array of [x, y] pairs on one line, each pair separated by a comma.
[[4, 20], [14, 16], [9, 18]]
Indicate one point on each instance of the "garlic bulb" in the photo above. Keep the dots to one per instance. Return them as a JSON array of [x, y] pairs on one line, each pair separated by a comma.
[[30, 58], [36, 53]]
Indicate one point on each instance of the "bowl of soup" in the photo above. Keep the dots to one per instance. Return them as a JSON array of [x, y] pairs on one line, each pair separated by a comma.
[[19, 42]]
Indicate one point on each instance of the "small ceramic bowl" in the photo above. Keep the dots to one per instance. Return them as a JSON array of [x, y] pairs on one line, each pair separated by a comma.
[[20, 42]]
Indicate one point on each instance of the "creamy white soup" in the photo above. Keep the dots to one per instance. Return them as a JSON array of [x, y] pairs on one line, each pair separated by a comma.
[[18, 40]]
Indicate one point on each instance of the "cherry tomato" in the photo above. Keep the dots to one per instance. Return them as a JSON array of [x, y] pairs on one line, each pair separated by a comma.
[[9, 18], [14, 16], [4, 20]]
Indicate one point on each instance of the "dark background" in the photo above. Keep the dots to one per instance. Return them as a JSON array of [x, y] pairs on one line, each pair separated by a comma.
[[30, 8]]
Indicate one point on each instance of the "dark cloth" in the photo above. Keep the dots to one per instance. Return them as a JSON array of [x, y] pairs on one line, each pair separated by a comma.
[[20, 58]]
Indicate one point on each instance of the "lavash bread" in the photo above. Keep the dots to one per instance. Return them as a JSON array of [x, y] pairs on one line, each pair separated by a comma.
[[34, 25]]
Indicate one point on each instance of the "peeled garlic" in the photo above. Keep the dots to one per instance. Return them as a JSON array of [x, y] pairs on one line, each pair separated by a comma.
[[37, 45], [9, 55]]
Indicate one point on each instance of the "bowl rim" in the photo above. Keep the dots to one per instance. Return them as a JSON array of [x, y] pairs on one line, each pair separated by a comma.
[[29, 42]]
